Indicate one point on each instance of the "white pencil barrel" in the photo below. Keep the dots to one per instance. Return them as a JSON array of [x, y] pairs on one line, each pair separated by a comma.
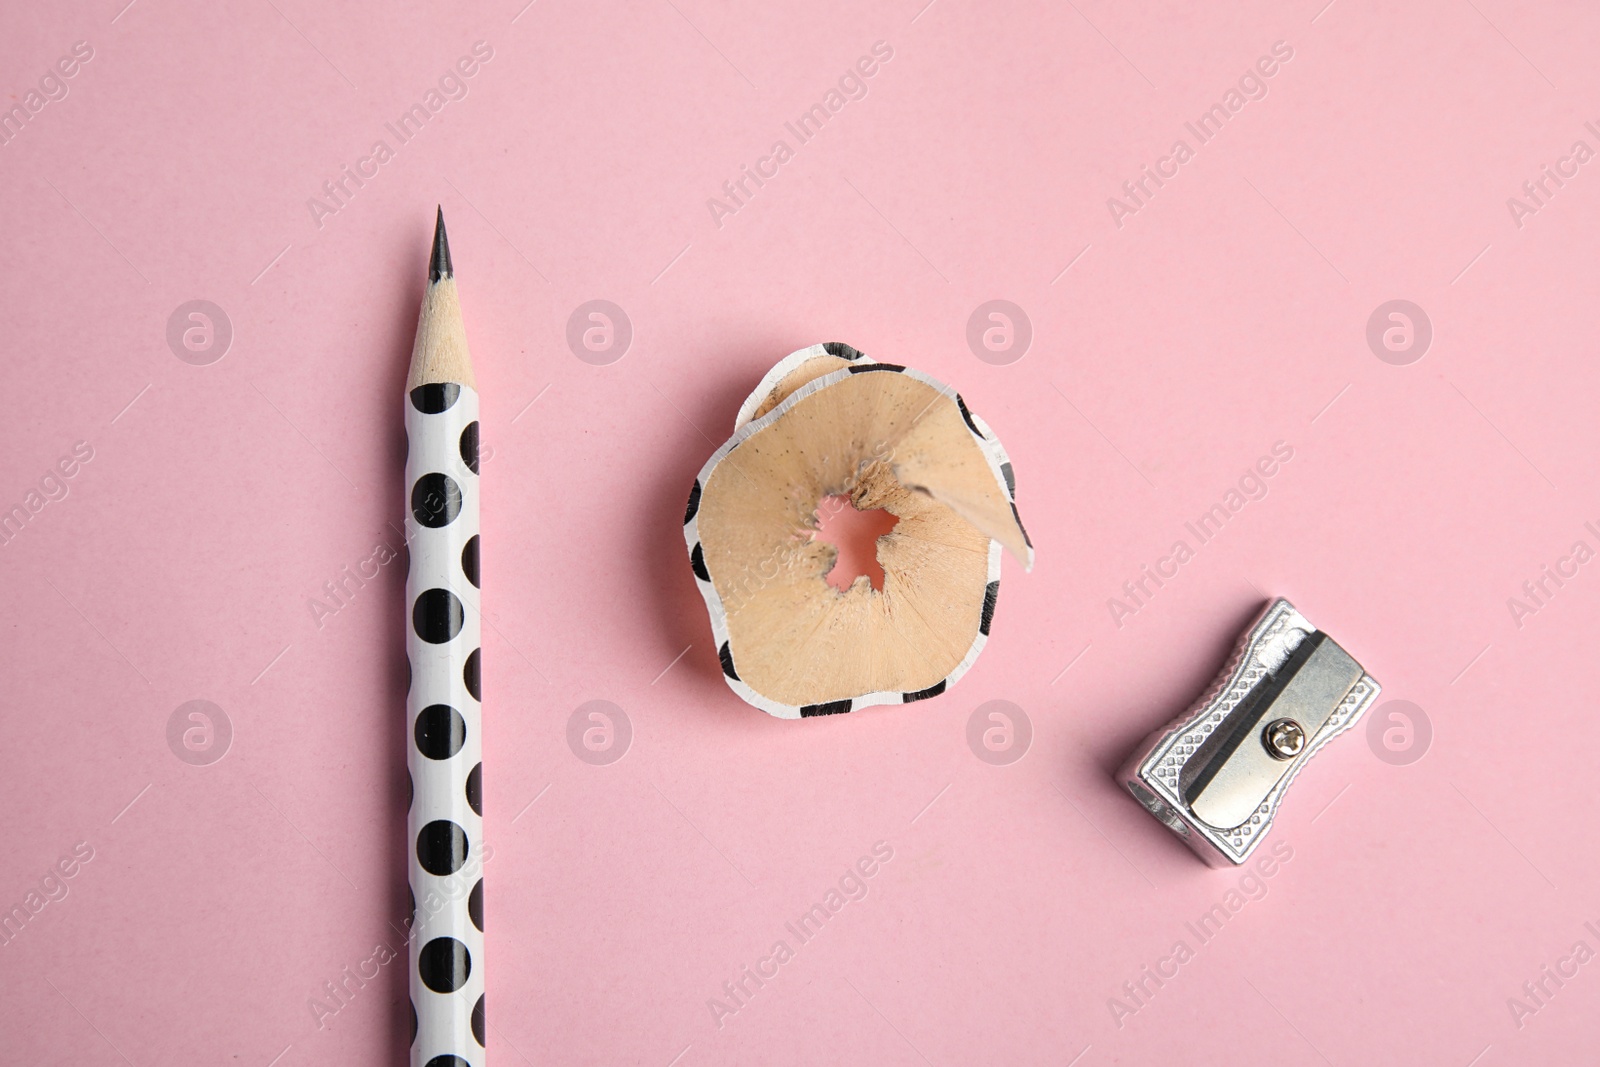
[[444, 739]]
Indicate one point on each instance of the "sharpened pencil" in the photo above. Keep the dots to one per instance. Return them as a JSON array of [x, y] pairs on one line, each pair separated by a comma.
[[443, 712]]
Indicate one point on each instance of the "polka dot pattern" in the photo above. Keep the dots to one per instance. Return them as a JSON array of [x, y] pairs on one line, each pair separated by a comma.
[[436, 397], [440, 731], [472, 675], [444, 720], [445, 965], [437, 616], [469, 447], [441, 847], [435, 500], [475, 789]]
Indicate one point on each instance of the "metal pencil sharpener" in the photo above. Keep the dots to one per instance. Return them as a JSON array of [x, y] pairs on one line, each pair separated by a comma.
[[1216, 775]]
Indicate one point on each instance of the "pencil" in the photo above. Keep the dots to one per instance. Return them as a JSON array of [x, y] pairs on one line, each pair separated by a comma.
[[443, 713]]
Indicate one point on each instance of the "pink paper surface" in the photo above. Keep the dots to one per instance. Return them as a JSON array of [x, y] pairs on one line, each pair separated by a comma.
[[1174, 342]]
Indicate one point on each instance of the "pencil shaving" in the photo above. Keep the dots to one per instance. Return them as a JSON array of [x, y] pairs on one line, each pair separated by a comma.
[[829, 421]]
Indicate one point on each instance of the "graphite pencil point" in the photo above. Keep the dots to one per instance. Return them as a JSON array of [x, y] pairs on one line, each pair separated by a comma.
[[440, 353], [439, 265]]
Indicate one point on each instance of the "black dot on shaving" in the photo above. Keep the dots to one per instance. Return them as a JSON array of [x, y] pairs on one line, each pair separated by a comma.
[[694, 503], [832, 707], [967, 416], [990, 595]]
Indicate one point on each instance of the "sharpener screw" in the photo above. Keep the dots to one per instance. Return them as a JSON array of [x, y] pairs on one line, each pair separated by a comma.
[[1284, 738]]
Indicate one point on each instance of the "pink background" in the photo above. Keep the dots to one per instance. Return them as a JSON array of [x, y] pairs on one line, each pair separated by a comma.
[[1226, 315]]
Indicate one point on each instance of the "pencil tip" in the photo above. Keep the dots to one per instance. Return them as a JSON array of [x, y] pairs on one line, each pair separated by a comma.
[[439, 264]]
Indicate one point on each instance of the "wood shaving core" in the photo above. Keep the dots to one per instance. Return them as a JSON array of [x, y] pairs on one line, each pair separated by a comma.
[[829, 421]]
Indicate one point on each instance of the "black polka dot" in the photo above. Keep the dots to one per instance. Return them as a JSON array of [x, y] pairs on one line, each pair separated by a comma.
[[832, 707], [448, 1060], [413, 1021], [967, 416], [469, 446], [472, 674], [411, 790], [475, 788], [441, 847], [694, 503], [440, 731], [436, 397], [437, 616], [444, 965], [475, 906], [478, 1021], [435, 500], [991, 595], [411, 905], [469, 560]]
